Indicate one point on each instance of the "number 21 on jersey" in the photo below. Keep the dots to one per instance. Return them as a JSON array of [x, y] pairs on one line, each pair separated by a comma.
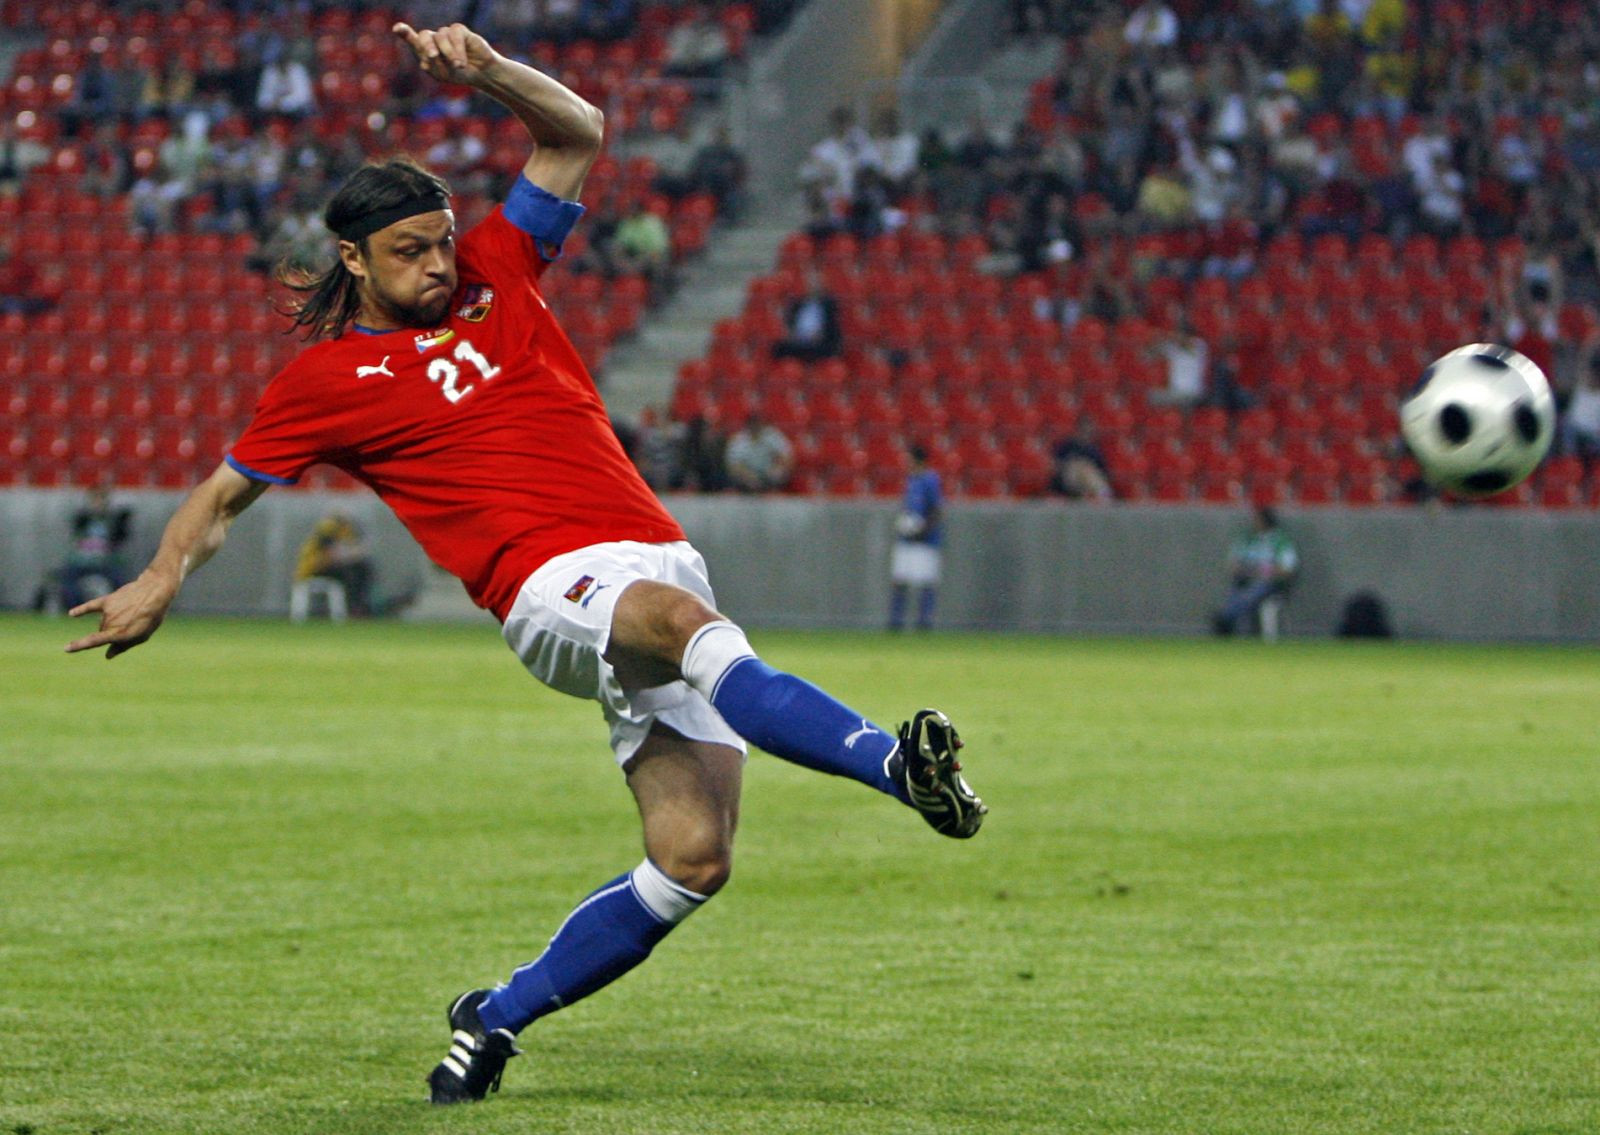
[[448, 375]]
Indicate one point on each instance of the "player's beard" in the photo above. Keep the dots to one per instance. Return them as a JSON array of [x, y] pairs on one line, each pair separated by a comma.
[[430, 312], [423, 313]]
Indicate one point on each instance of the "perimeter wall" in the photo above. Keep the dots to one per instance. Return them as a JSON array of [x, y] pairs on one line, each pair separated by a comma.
[[1477, 573]]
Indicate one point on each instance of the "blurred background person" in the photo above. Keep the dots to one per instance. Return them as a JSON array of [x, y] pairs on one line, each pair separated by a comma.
[[916, 563], [336, 551], [811, 323], [1080, 471], [94, 565], [1263, 563], [760, 457]]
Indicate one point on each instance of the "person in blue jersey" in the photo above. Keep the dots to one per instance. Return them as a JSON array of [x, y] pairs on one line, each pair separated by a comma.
[[919, 537]]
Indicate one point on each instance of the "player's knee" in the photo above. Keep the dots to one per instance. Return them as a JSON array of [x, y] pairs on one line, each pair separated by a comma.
[[701, 863], [680, 615], [658, 619]]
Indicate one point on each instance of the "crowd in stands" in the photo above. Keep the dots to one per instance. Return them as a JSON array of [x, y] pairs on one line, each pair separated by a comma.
[[248, 129], [1216, 249], [151, 153], [1233, 233]]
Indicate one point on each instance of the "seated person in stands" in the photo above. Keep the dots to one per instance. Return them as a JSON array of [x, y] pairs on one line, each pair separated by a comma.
[[1188, 358], [1263, 562], [1080, 471], [1580, 421], [94, 565], [812, 323], [336, 551], [759, 457], [642, 245]]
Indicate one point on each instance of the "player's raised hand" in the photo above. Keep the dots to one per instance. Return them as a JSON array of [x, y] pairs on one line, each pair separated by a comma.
[[455, 54], [128, 616]]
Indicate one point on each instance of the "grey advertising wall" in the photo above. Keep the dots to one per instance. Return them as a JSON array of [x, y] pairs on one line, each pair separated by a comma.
[[1044, 566]]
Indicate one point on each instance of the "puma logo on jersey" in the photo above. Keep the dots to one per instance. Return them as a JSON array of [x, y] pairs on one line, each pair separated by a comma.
[[381, 368]]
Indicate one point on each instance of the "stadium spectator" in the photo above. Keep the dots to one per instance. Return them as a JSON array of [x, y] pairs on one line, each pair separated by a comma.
[[608, 20], [105, 162], [642, 245], [94, 564], [697, 45], [296, 236], [811, 324], [658, 450], [514, 21], [1079, 470], [895, 151], [833, 162], [1262, 563], [872, 210], [285, 86], [1580, 421], [96, 94], [760, 457], [22, 290], [1188, 358], [18, 155], [153, 200], [720, 169], [336, 551], [600, 594], [1048, 235], [704, 461], [915, 564], [1442, 198], [1151, 25]]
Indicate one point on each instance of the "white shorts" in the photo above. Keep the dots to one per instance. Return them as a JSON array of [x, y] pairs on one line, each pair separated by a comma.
[[914, 564], [560, 624]]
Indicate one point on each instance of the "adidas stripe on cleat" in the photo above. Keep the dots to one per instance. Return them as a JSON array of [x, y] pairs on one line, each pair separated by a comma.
[[931, 775], [477, 1057]]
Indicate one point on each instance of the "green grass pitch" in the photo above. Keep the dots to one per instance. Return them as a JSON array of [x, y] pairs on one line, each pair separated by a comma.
[[1224, 888]]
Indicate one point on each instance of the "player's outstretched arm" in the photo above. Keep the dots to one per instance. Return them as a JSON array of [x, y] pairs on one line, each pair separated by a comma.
[[131, 614], [567, 130]]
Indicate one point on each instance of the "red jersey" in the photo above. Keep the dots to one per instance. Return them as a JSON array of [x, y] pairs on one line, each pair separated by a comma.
[[486, 436]]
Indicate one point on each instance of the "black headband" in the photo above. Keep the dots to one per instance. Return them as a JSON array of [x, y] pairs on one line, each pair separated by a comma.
[[369, 223]]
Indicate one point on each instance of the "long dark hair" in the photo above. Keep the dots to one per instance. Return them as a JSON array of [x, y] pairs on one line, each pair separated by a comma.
[[330, 299]]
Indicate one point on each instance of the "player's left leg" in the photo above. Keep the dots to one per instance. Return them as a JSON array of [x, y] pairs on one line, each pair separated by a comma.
[[660, 631], [688, 797]]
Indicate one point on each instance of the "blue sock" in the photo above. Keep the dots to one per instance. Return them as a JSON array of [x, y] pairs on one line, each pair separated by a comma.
[[608, 934], [925, 601], [792, 719], [897, 608]]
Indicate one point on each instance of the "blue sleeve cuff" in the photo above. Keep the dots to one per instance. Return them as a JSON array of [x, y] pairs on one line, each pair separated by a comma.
[[542, 215], [254, 475]]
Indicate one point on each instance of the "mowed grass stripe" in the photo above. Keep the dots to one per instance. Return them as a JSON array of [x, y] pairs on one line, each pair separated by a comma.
[[1225, 888]]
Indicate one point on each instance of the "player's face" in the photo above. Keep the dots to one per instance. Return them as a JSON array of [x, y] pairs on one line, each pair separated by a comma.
[[408, 273]]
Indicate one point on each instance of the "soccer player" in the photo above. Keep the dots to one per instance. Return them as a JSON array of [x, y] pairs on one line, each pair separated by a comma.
[[919, 540], [443, 382]]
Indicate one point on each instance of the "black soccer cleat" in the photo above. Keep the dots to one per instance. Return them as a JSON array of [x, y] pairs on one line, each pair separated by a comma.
[[931, 775], [477, 1057]]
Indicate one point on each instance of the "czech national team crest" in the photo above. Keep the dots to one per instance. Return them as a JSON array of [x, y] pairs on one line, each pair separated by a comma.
[[475, 303], [577, 590]]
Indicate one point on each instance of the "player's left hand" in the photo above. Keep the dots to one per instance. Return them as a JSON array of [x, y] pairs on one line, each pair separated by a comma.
[[455, 54]]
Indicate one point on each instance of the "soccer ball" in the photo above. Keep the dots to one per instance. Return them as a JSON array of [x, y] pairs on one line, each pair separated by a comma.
[[1480, 419]]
